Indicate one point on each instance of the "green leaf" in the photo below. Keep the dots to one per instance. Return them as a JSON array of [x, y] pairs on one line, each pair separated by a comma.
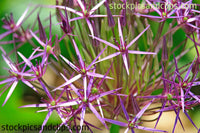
[[114, 128], [157, 92]]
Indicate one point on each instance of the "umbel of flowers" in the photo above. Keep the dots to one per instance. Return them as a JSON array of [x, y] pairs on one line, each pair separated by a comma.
[[113, 62]]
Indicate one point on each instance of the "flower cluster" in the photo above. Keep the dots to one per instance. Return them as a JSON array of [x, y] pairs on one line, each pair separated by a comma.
[[114, 63]]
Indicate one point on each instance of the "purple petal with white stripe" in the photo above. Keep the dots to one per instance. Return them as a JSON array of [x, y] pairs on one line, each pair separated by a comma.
[[109, 57], [8, 80], [69, 63], [139, 52], [69, 81], [96, 7], [10, 91], [105, 42], [150, 129], [97, 75], [46, 119], [135, 39], [141, 112], [97, 114], [78, 54], [116, 122], [35, 105], [120, 33], [125, 63]]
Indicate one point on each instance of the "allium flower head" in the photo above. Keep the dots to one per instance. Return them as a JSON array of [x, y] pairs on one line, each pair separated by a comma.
[[122, 47]]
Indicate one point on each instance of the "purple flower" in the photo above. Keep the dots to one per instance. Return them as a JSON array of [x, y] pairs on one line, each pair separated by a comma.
[[10, 24], [133, 123], [122, 47], [85, 13], [40, 68], [16, 74], [82, 70], [51, 105], [163, 13], [46, 43]]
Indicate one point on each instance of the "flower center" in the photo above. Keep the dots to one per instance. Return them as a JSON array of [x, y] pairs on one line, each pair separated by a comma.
[[12, 26], [83, 71], [86, 13], [184, 85], [94, 90], [48, 48], [85, 100], [169, 96], [122, 49], [164, 14], [185, 18], [53, 103], [75, 107]]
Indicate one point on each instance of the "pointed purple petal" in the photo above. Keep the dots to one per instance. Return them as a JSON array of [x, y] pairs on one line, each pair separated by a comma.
[[42, 33], [74, 19], [188, 72], [97, 75], [69, 81], [85, 86], [182, 100], [69, 63], [154, 8], [81, 5], [82, 117], [109, 57], [19, 22], [90, 27], [96, 7], [5, 34], [8, 80], [10, 64], [104, 94], [25, 59], [150, 129], [120, 33], [100, 108], [105, 42], [190, 119], [10, 92], [35, 105], [97, 114], [67, 8], [141, 112], [139, 52], [67, 104], [116, 122], [46, 90], [78, 54], [96, 58], [38, 39], [124, 109], [30, 85], [46, 119], [125, 63], [135, 39]]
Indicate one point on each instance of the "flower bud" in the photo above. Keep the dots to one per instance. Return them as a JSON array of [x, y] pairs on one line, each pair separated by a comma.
[[111, 21], [164, 51], [42, 33]]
